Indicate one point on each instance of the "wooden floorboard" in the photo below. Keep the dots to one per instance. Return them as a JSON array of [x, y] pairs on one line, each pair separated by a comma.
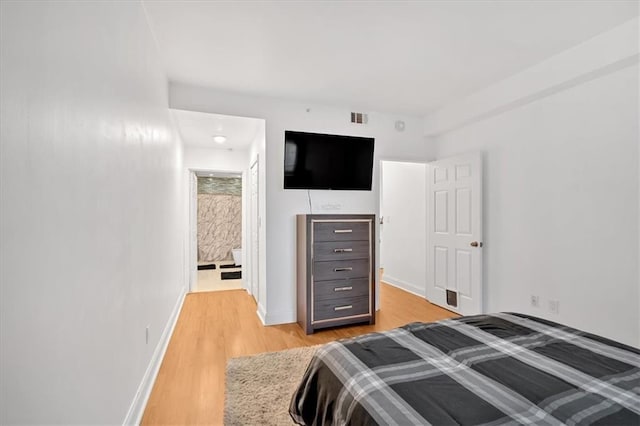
[[216, 326]]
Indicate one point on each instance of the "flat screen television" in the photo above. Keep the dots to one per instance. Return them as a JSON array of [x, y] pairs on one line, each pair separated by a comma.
[[318, 161]]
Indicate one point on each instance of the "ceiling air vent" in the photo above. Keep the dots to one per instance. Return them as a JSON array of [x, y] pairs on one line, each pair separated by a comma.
[[359, 118]]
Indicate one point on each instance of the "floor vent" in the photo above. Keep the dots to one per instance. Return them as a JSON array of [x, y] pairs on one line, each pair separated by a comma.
[[452, 298]]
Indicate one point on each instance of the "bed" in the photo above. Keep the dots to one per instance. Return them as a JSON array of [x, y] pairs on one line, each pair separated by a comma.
[[494, 369]]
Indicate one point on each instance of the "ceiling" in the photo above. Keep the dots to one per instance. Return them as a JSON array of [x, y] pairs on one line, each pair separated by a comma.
[[399, 56], [197, 129]]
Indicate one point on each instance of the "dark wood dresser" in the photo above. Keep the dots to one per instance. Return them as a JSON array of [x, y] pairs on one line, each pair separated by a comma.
[[335, 270]]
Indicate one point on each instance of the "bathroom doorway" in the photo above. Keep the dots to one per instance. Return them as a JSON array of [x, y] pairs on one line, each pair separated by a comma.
[[218, 146], [219, 219]]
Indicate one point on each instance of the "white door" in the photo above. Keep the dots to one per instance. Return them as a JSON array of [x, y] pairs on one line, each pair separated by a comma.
[[255, 231], [454, 255]]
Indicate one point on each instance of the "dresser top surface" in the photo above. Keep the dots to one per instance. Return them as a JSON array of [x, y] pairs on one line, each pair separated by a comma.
[[337, 216]]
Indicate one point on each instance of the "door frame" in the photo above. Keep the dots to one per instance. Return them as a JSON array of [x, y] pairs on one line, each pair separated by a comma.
[[192, 258], [253, 286]]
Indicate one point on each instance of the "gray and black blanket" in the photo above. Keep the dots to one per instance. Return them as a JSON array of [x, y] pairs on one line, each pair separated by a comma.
[[485, 369]]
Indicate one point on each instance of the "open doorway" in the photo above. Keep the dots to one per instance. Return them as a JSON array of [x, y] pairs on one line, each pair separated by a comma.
[[403, 212], [432, 245], [219, 231], [223, 158]]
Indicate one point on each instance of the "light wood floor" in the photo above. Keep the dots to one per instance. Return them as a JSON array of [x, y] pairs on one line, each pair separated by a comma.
[[216, 326]]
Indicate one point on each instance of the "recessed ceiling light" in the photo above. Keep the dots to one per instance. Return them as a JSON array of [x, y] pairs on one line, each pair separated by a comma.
[[220, 139]]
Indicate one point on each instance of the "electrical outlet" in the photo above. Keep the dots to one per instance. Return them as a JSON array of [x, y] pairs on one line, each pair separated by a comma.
[[554, 306], [535, 301], [146, 335]]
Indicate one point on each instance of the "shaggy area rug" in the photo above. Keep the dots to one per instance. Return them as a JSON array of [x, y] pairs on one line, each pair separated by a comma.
[[259, 387]]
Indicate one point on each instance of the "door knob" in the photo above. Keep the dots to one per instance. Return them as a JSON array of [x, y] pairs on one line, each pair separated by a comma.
[[475, 244]]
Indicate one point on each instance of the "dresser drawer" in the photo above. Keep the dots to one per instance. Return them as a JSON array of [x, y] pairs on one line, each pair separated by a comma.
[[340, 269], [323, 290], [339, 250], [341, 231], [338, 308]]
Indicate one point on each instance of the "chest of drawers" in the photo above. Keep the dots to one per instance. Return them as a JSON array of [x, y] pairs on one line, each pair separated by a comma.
[[335, 270]]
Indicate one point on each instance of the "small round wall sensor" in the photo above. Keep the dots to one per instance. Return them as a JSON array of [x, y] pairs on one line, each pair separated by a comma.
[[400, 126]]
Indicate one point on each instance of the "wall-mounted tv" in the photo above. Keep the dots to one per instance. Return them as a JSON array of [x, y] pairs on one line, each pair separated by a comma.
[[319, 161]]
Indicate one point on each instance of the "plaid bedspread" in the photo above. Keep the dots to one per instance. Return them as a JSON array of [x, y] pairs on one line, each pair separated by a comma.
[[486, 369]]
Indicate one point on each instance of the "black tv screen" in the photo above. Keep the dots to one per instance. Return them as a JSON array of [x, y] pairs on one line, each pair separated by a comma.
[[318, 161]]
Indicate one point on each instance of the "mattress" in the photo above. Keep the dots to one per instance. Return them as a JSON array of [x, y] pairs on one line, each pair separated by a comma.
[[494, 369]]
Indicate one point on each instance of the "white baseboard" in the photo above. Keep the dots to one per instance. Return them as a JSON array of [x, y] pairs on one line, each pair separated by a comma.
[[283, 317], [262, 314], [403, 285], [136, 410]]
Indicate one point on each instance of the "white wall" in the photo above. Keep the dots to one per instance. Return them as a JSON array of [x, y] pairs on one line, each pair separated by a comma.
[[221, 160], [92, 210], [282, 206], [403, 246], [561, 187]]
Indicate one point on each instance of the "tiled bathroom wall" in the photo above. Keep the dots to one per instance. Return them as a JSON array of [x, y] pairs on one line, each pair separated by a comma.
[[219, 217]]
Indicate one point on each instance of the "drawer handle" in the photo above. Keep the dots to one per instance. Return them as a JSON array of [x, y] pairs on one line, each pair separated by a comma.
[[349, 268], [342, 250], [343, 288], [342, 308], [342, 231]]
